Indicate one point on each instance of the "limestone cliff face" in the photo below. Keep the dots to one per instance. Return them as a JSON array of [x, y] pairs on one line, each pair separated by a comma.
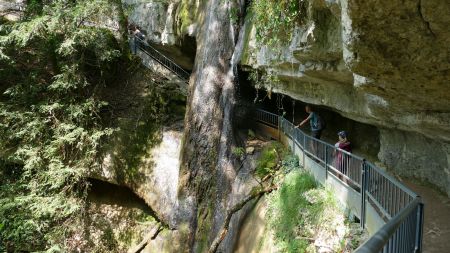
[[382, 63], [171, 26], [166, 22]]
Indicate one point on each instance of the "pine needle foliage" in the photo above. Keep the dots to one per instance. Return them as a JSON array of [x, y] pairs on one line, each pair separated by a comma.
[[52, 64]]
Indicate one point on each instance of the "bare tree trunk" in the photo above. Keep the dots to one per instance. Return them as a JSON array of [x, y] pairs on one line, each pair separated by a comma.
[[150, 236], [223, 231]]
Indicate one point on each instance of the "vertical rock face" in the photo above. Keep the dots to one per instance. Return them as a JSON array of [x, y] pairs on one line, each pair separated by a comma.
[[170, 26], [207, 170], [384, 58], [416, 156], [402, 54], [381, 63], [204, 181], [11, 9], [154, 18], [143, 154]]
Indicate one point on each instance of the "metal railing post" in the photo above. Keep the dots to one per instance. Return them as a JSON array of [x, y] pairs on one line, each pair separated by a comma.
[[293, 140], [326, 163], [279, 128], [363, 193], [419, 228], [304, 151]]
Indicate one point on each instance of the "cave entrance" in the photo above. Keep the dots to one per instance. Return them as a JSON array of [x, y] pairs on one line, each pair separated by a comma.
[[365, 138], [102, 192]]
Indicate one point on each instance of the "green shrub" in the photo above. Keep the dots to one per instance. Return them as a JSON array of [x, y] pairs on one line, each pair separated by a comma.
[[290, 162], [285, 215], [238, 151], [251, 135], [271, 155], [300, 212]]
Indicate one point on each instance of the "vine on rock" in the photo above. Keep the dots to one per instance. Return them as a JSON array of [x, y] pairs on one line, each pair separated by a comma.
[[266, 80], [275, 20]]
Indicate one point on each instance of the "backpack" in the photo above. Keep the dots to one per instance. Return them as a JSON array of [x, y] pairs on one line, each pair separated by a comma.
[[319, 123]]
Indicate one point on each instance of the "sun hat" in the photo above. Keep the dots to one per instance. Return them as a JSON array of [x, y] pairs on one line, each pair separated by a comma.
[[343, 134]]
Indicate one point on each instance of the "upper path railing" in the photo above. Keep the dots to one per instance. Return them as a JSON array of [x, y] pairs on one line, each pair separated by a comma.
[[140, 44], [397, 205]]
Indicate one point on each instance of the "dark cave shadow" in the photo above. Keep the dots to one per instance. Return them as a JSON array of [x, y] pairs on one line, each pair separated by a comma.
[[102, 192], [119, 198]]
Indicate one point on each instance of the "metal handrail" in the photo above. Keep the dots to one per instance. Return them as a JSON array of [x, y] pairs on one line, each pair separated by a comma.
[[267, 118], [383, 237], [161, 59], [386, 175], [401, 207], [321, 154]]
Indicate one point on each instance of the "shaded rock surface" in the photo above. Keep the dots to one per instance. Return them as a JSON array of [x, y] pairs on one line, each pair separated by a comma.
[[156, 177], [415, 156], [12, 9], [143, 154], [384, 67], [242, 186], [115, 220]]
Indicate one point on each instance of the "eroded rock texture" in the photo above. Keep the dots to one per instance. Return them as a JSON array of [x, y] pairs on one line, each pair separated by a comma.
[[170, 26], [143, 154], [377, 62]]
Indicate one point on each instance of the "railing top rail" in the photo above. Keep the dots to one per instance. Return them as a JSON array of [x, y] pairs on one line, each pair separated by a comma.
[[320, 141], [393, 180], [266, 112], [382, 172], [376, 242], [332, 146], [178, 68]]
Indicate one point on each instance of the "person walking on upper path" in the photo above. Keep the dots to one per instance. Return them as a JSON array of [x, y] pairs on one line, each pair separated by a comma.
[[316, 122], [137, 38]]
